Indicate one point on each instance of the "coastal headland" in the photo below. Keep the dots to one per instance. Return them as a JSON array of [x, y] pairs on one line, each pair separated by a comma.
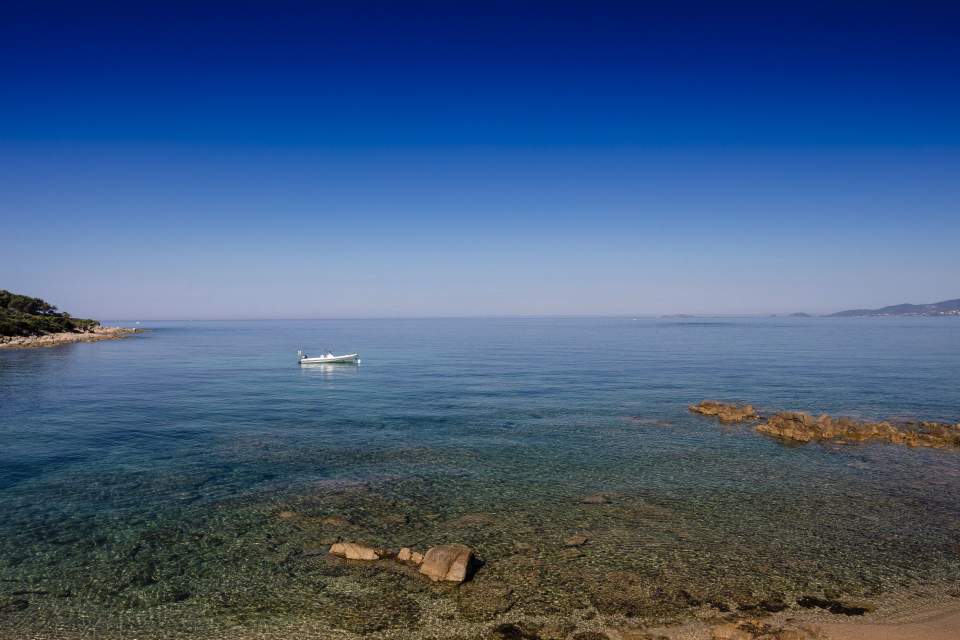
[[96, 334], [27, 322]]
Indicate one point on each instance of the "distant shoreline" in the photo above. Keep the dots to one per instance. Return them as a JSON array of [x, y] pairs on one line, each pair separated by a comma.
[[68, 337]]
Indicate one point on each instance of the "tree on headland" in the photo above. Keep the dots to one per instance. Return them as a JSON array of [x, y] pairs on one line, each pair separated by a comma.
[[22, 315]]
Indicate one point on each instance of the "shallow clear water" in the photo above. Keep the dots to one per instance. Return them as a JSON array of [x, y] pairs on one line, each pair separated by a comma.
[[141, 480]]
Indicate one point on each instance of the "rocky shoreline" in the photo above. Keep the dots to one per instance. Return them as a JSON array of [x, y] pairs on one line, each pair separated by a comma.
[[56, 339], [488, 601], [366, 563], [802, 427]]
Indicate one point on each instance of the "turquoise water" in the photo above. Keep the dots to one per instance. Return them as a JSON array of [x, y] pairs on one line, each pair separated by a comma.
[[141, 480]]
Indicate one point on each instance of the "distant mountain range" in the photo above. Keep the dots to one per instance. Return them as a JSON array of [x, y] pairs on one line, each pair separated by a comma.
[[945, 308]]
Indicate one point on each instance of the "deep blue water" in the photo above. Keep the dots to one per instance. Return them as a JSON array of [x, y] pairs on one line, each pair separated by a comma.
[[100, 442]]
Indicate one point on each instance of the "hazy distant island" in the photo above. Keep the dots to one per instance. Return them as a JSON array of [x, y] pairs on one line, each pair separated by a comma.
[[945, 308], [32, 322]]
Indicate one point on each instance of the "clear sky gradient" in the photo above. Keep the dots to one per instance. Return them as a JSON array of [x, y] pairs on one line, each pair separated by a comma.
[[297, 160]]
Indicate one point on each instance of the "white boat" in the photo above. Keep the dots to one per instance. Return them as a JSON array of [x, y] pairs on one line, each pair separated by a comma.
[[328, 358]]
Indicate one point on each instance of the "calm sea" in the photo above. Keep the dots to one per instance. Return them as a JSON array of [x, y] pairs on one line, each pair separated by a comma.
[[141, 480]]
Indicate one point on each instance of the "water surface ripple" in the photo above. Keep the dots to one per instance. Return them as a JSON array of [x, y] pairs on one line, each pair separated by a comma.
[[141, 480]]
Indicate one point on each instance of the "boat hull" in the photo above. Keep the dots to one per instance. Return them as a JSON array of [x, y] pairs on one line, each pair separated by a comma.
[[352, 358]]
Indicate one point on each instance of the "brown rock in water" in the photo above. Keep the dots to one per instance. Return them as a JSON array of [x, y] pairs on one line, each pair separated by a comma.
[[408, 555], [597, 498], [725, 412], [335, 521], [576, 540], [797, 426], [288, 515], [353, 551], [449, 562]]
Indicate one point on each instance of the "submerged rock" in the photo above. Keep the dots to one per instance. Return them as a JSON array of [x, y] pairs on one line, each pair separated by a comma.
[[451, 562], [725, 412], [479, 601], [353, 551], [408, 555], [597, 498], [576, 540]]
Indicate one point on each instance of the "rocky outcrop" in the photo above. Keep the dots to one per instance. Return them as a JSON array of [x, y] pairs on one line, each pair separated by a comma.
[[450, 562], [797, 426], [725, 412], [353, 551], [447, 562], [409, 556], [54, 339]]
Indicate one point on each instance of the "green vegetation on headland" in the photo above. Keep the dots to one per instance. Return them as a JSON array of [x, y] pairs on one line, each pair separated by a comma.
[[25, 316]]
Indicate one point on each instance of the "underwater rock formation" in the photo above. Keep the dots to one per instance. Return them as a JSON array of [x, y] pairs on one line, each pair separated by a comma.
[[353, 551], [725, 412], [408, 555], [447, 562]]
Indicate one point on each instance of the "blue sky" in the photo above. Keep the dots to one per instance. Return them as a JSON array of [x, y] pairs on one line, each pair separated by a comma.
[[247, 160]]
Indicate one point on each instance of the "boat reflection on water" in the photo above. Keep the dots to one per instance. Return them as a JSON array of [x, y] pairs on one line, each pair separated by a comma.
[[326, 370]]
